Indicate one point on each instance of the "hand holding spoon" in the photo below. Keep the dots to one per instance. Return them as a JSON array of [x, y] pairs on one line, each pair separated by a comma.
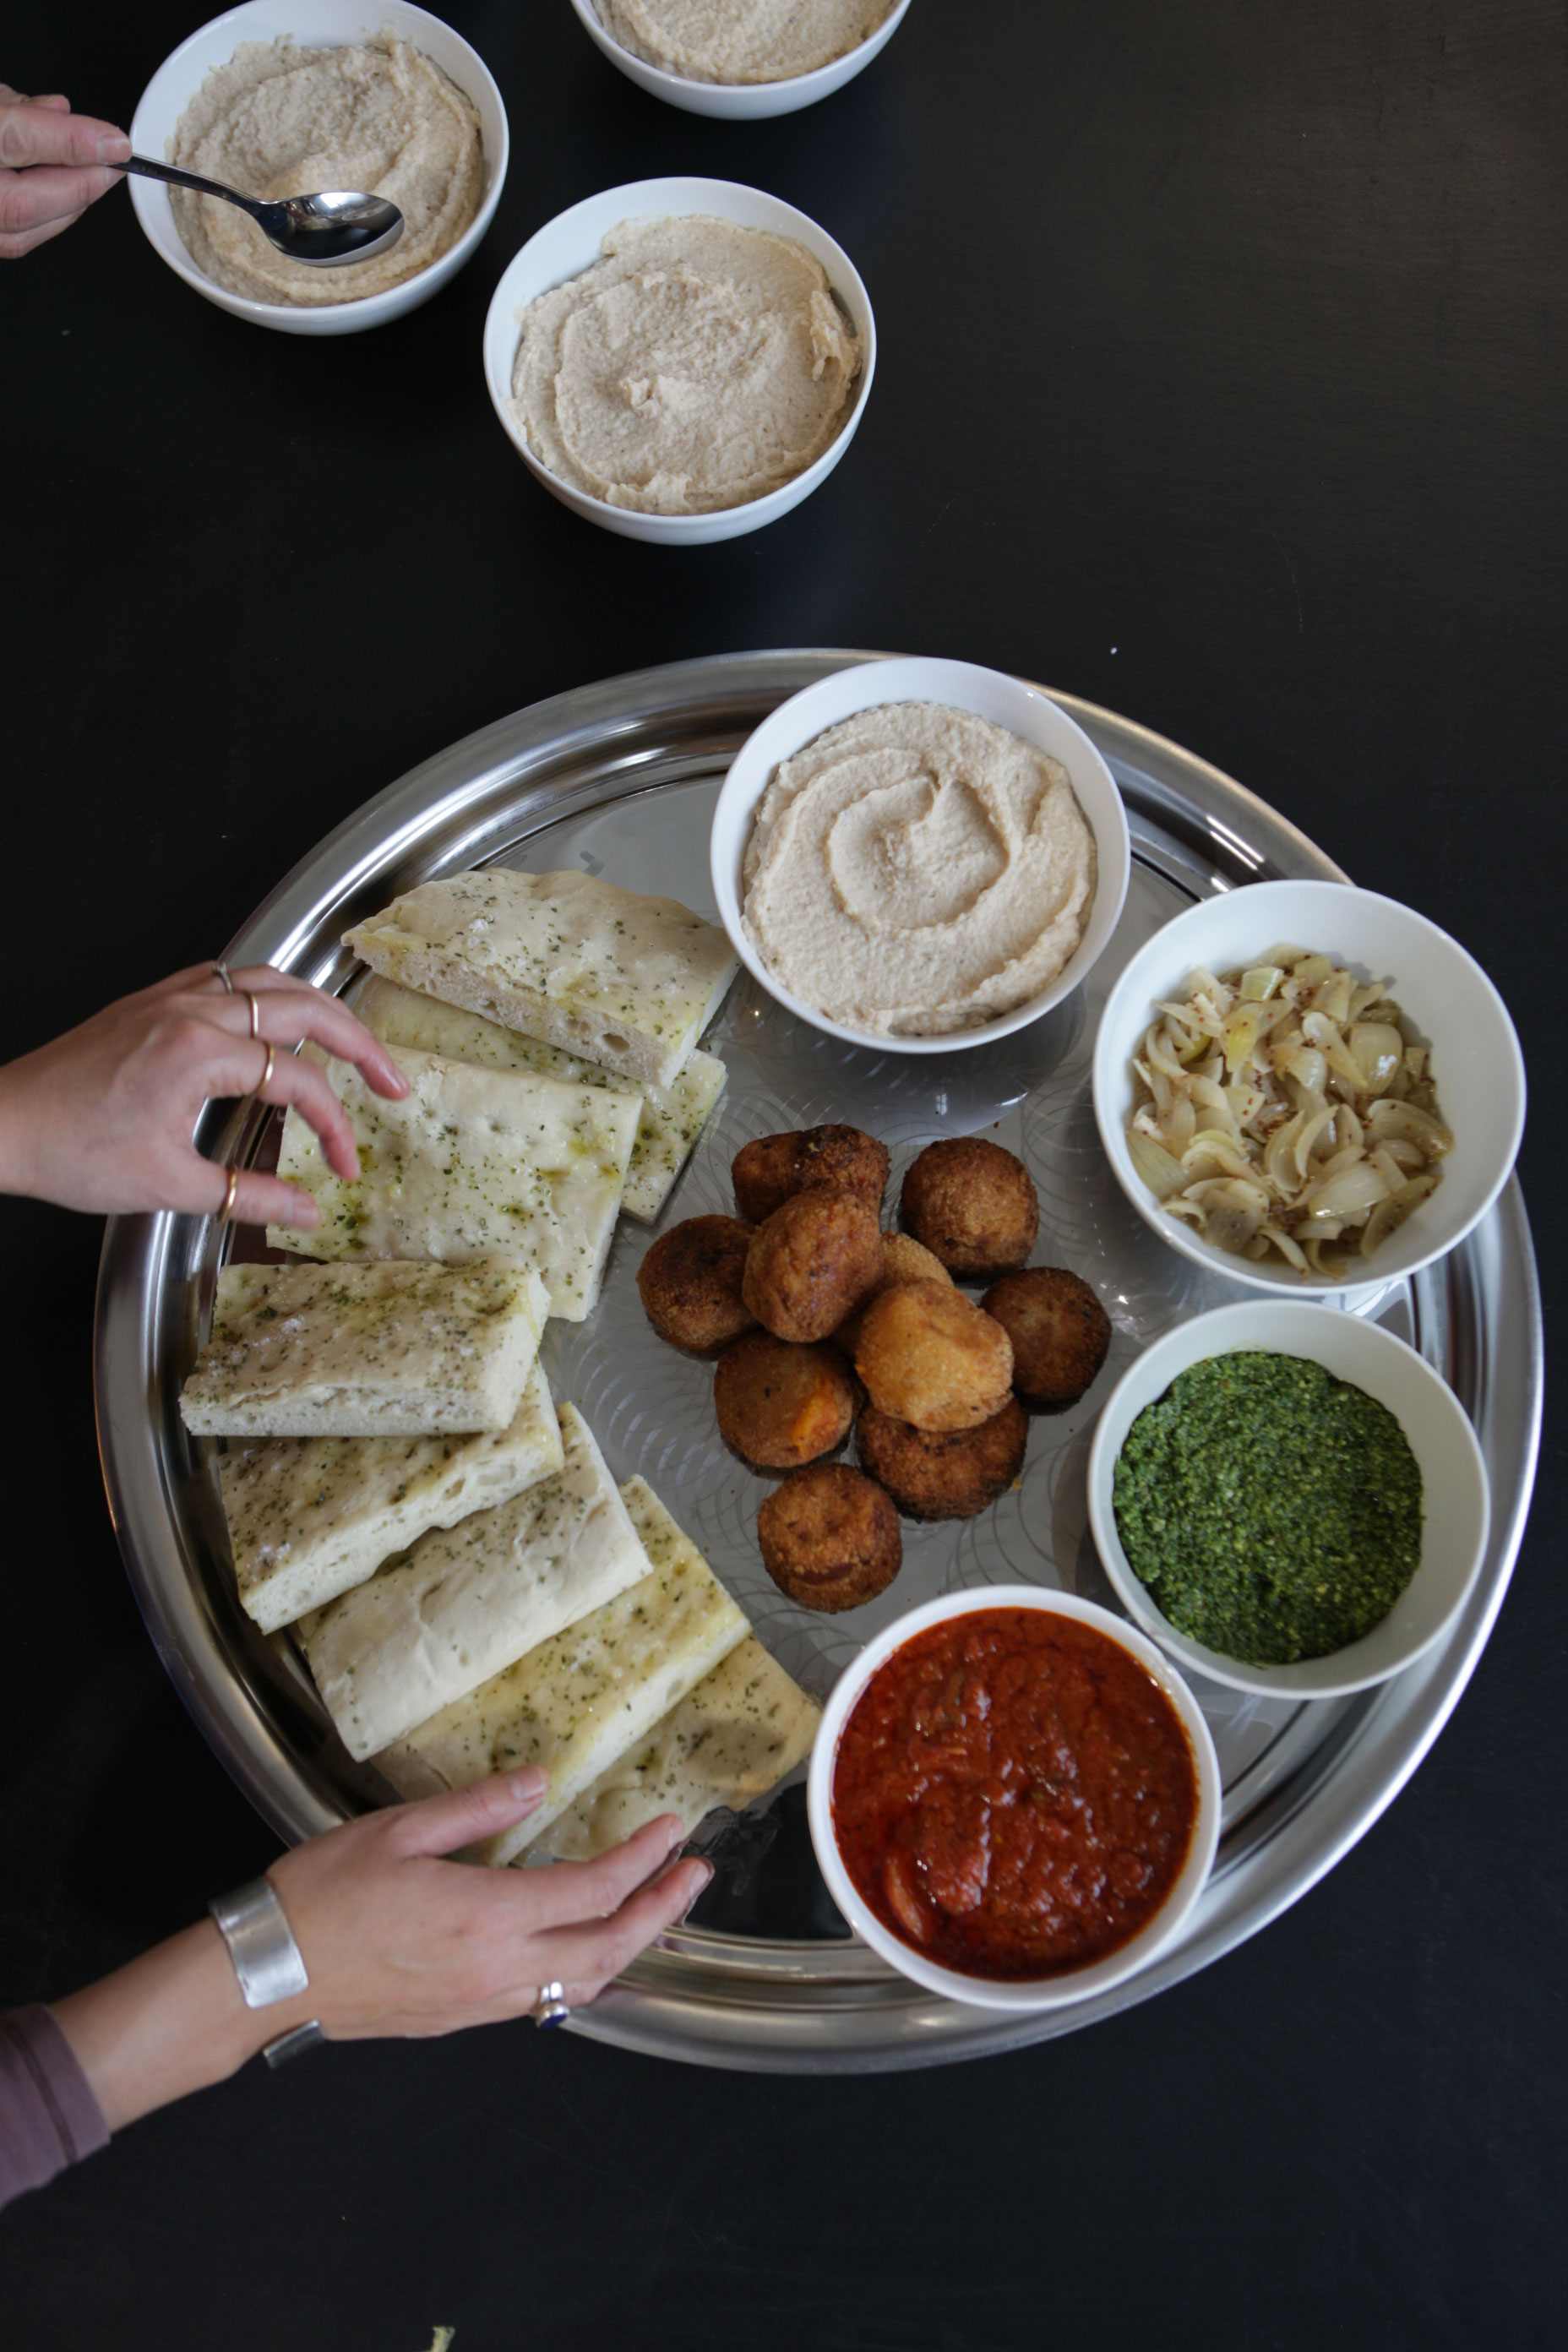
[[323, 230]]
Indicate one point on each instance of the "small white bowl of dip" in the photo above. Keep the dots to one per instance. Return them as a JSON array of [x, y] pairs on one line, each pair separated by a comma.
[[1006, 702], [741, 101], [570, 244], [316, 25], [1072, 1982], [1456, 1494], [1477, 1067]]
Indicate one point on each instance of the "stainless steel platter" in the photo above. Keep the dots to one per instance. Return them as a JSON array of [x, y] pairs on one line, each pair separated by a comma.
[[620, 778]]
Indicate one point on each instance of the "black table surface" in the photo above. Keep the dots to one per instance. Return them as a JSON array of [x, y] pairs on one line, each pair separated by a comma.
[[1221, 382]]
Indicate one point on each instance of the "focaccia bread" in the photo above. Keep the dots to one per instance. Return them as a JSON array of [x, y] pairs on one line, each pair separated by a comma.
[[730, 1740], [367, 1350], [629, 981], [575, 1702], [467, 1600], [672, 1117], [470, 1161], [309, 1517]]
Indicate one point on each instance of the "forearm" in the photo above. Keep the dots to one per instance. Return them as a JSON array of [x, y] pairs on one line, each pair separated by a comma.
[[170, 2022]]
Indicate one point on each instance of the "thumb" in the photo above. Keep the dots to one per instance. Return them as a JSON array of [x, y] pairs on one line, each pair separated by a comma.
[[461, 1817], [33, 134]]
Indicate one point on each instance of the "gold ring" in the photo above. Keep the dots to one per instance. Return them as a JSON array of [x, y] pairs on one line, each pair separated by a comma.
[[254, 1004], [266, 1078], [220, 971], [230, 1189]]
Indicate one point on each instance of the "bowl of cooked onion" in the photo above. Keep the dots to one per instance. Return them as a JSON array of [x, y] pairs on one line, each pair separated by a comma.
[[1308, 1089]]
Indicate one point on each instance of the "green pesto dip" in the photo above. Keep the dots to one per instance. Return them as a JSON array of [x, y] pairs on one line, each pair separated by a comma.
[[1273, 1511]]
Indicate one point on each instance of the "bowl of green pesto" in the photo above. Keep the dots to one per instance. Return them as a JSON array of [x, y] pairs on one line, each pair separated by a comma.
[[1288, 1500]]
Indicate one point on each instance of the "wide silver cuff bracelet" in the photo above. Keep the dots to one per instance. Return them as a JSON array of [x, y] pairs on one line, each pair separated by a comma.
[[266, 1959]]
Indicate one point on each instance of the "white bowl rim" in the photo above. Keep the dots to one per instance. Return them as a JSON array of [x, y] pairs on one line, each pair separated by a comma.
[[1072, 1985], [785, 82], [363, 311], [643, 200], [1307, 1679], [948, 681], [1173, 1231]]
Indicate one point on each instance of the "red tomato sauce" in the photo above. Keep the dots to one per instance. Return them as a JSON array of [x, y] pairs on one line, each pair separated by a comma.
[[1014, 1794]]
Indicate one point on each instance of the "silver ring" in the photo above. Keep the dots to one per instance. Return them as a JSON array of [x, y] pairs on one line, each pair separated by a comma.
[[551, 2007], [220, 971], [254, 1004]]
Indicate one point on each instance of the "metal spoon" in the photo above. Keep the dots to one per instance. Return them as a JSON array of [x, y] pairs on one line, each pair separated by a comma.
[[324, 230]]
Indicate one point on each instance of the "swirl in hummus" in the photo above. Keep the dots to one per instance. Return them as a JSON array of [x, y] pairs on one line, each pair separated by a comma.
[[697, 365], [281, 120], [741, 40], [917, 870]]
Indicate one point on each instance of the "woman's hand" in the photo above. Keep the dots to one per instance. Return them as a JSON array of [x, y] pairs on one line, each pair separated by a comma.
[[395, 1939], [53, 164], [102, 1119]]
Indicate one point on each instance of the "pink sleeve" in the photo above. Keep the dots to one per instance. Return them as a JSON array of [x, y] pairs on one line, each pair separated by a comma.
[[49, 2115]]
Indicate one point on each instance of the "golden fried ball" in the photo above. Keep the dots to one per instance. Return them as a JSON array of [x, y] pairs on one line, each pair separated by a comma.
[[972, 1204], [903, 1261], [1059, 1330], [930, 1356], [943, 1474], [770, 1171], [830, 1537], [811, 1264], [780, 1404], [690, 1282]]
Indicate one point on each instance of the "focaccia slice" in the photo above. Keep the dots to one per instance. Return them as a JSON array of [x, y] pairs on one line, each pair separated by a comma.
[[467, 1600], [366, 1351], [672, 1117], [470, 1162], [576, 1701], [630, 982], [309, 1517], [730, 1740]]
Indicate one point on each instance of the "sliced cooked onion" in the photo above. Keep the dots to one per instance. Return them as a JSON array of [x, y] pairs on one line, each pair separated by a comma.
[[1397, 1208]]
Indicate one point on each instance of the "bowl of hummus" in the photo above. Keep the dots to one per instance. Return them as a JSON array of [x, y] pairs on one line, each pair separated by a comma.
[[919, 856], [682, 360], [279, 101], [740, 60]]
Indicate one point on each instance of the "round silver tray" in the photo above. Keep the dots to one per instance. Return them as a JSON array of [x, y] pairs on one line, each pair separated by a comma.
[[620, 778]]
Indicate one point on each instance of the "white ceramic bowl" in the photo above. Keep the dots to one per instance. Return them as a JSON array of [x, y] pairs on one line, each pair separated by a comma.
[[568, 243], [1072, 1984], [326, 25], [963, 686], [1457, 1506], [741, 101], [1476, 1064]]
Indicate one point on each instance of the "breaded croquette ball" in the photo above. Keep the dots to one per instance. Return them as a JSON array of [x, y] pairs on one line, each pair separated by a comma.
[[972, 1204], [811, 1264], [943, 1474], [830, 1537], [1060, 1331], [930, 1356], [903, 1261], [690, 1282], [770, 1170], [780, 1404]]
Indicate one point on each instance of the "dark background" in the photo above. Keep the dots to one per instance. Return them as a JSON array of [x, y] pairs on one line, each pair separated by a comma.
[[1222, 383]]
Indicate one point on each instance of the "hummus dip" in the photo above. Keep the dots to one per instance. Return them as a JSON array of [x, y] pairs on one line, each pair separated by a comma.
[[741, 40], [917, 870], [697, 365], [281, 120]]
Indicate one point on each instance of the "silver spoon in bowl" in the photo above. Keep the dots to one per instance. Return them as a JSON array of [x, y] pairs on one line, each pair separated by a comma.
[[324, 230]]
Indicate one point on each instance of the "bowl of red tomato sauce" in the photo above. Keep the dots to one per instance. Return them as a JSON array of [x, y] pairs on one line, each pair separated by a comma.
[[1014, 1798]]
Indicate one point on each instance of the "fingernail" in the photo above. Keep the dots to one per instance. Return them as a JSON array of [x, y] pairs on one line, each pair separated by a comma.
[[700, 1890], [113, 147], [529, 1785]]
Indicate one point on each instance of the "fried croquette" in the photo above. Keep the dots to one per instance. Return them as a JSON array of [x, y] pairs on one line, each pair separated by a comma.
[[972, 1204], [830, 1537], [690, 1282], [903, 1261], [811, 1264], [773, 1169], [943, 1474], [780, 1404], [930, 1356], [1060, 1331]]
